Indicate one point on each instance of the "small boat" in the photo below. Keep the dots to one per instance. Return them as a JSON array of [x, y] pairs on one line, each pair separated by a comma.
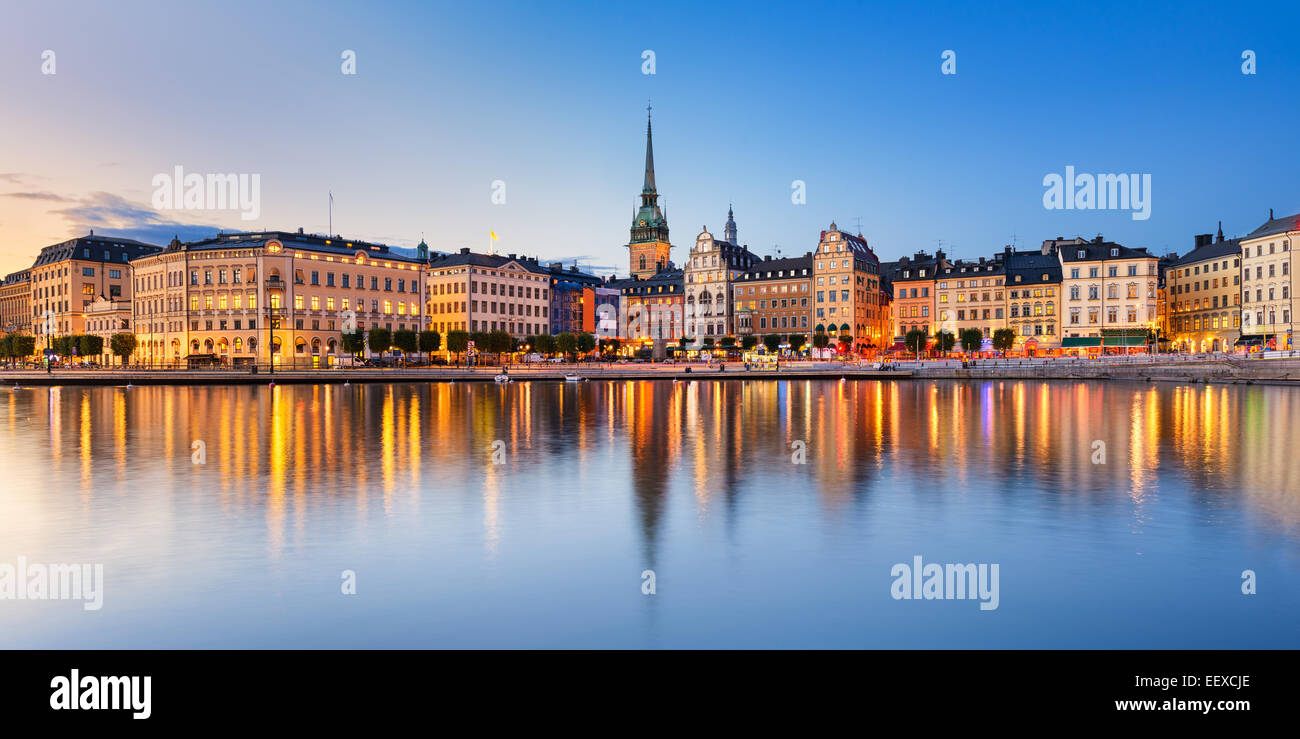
[[572, 377], [502, 378]]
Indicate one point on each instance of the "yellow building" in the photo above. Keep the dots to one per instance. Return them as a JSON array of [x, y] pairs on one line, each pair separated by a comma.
[[103, 318], [849, 296], [1268, 284], [16, 302], [1110, 296], [486, 292], [67, 277], [1203, 296], [243, 298], [970, 295]]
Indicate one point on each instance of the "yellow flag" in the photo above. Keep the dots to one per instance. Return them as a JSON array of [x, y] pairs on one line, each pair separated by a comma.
[[493, 234]]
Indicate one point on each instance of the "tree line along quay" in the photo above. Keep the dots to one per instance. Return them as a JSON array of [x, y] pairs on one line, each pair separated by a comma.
[[295, 300]]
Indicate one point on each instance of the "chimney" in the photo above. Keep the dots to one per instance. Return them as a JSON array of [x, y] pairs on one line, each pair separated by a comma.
[[1097, 240], [511, 256], [767, 257], [1203, 240], [300, 230], [464, 250], [1006, 251], [557, 266]]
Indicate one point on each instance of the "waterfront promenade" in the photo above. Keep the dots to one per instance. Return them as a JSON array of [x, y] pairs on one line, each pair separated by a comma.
[[1166, 368]]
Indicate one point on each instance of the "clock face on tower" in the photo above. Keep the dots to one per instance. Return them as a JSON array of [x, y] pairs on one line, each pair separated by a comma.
[[641, 222]]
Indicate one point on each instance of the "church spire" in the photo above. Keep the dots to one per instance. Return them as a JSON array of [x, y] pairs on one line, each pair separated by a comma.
[[649, 186], [1220, 230], [729, 231]]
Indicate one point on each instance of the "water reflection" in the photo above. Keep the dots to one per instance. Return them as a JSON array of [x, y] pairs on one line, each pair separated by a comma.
[[698, 467]]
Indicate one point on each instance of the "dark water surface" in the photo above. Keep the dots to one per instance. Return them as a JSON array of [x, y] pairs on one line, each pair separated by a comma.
[[697, 482]]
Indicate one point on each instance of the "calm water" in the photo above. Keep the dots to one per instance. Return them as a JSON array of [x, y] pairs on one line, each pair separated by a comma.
[[694, 481]]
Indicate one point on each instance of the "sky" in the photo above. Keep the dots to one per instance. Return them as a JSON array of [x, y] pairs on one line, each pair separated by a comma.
[[548, 100]]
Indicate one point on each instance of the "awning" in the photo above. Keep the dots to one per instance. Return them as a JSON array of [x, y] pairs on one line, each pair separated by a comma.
[[1133, 340], [1078, 342], [1252, 340]]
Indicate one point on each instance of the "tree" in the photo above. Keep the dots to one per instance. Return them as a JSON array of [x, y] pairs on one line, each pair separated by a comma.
[[90, 345], [430, 341], [797, 341], [748, 342], [458, 342], [354, 342], [379, 339], [24, 345], [686, 341], [122, 345], [728, 342], [566, 343], [846, 341], [544, 344], [971, 340], [406, 340], [915, 341], [1004, 339], [500, 342], [708, 341], [821, 341], [609, 346], [586, 343], [944, 341], [772, 342]]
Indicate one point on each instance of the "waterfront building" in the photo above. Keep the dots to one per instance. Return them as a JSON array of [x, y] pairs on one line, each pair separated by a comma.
[[970, 296], [709, 272], [240, 298], [16, 302], [573, 299], [912, 280], [66, 277], [1203, 296], [651, 310], [103, 318], [1110, 296], [1268, 284], [1033, 281], [469, 291], [649, 248], [848, 290], [775, 297]]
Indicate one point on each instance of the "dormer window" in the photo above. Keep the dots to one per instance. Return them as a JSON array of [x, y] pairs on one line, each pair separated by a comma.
[[1083, 254], [1114, 252]]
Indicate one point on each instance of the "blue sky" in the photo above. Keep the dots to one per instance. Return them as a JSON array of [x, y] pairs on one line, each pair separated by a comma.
[[550, 99]]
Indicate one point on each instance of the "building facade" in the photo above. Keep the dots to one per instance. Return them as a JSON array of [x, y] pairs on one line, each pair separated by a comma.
[[103, 318], [652, 310], [1268, 284], [1110, 296], [245, 298], [912, 280], [709, 272], [468, 291], [16, 302], [1203, 296], [67, 277], [1034, 301], [849, 295], [573, 299], [970, 296], [775, 297]]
